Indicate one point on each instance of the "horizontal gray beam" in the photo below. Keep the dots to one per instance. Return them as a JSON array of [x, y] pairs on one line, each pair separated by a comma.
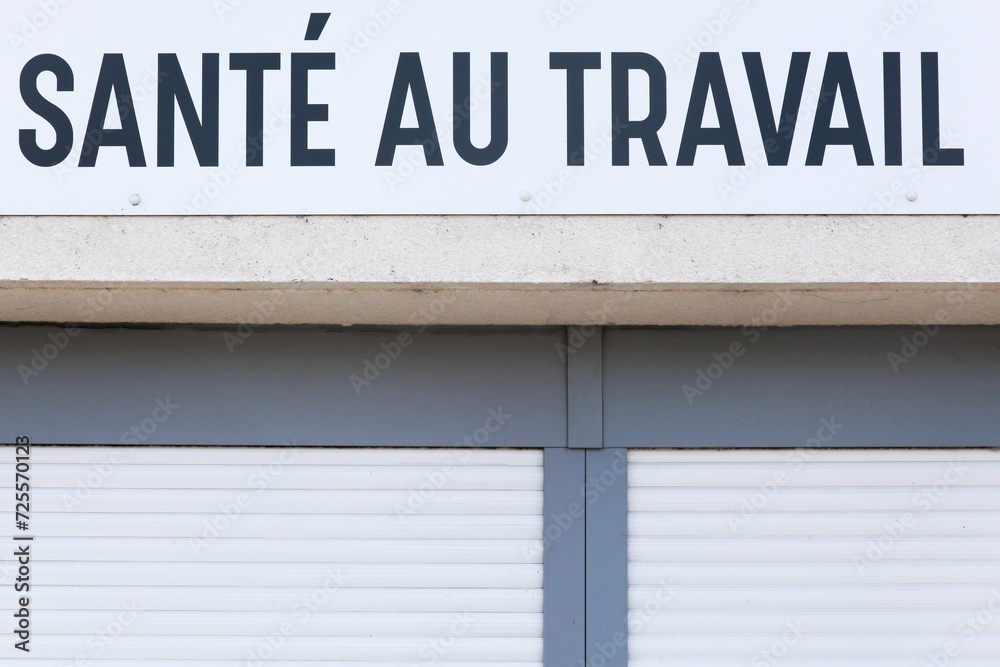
[[293, 386], [758, 387]]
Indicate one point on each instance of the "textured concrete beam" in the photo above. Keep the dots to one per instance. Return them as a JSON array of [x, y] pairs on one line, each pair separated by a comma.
[[684, 270]]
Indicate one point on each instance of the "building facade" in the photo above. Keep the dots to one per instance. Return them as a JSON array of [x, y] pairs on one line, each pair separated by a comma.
[[535, 333]]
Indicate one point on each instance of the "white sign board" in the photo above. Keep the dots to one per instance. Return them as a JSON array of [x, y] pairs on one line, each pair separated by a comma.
[[499, 107]]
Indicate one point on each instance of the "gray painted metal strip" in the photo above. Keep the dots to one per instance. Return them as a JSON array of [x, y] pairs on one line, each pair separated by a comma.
[[585, 385], [757, 387], [607, 558], [282, 386], [564, 574]]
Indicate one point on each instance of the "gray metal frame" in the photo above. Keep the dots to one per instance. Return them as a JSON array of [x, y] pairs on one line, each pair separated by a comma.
[[873, 387], [586, 395], [585, 387], [564, 564], [273, 387], [607, 557]]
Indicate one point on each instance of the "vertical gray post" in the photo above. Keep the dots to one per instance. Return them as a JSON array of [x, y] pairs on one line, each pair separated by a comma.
[[607, 558], [586, 597], [585, 387], [564, 573]]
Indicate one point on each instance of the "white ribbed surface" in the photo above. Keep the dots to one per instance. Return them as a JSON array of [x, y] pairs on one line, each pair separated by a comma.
[[707, 589], [459, 580]]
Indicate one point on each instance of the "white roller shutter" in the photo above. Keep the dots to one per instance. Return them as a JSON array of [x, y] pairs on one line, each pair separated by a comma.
[[835, 558], [286, 558]]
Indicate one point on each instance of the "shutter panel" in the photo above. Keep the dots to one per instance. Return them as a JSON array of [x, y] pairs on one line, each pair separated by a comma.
[[184, 557], [852, 558]]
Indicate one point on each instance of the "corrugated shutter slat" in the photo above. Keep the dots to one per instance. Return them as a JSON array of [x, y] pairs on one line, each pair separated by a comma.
[[182, 557], [836, 558]]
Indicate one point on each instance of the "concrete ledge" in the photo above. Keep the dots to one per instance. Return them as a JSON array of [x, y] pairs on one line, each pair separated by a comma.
[[474, 305], [719, 271]]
